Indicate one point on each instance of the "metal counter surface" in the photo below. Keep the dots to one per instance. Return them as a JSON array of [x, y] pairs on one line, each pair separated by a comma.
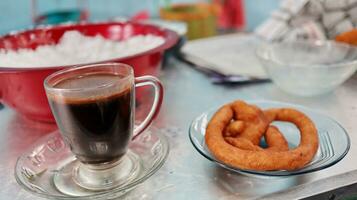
[[186, 174]]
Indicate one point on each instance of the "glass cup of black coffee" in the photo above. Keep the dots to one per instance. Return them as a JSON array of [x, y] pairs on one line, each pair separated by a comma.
[[94, 108]]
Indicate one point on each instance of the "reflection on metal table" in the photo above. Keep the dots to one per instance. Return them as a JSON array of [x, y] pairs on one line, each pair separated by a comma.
[[186, 174]]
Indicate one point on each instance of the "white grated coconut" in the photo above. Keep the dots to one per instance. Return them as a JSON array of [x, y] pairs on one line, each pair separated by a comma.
[[75, 48]]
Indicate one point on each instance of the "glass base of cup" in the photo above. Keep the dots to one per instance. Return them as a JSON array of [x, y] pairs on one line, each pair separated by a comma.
[[78, 179]]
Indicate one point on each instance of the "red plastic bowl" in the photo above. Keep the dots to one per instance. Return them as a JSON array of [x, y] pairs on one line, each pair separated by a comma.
[[22, 88]]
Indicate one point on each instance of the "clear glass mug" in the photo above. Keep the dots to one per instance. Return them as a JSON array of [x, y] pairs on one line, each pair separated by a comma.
[[94, 108]]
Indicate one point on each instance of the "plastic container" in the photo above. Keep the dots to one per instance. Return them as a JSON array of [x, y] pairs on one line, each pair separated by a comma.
[[22, 88]]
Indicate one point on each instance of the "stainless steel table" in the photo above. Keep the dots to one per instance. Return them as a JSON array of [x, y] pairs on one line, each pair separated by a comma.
[[186, 174]]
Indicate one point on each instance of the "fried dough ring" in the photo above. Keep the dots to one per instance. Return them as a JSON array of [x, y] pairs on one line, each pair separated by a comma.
[[273, 137], [275, 140], [243, 143], [263, 159], [234, 128], [246, 132], [255, 122]]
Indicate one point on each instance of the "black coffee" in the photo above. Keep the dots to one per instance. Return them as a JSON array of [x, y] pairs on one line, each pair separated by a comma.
[[97, 128]]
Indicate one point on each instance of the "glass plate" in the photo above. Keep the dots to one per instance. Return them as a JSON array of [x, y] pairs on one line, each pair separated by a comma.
[[334, 140], [35, 169]]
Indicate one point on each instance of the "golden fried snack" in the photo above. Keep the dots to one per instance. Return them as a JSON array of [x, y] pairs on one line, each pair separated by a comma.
[[243, 143], [270, 114], [234, 128], [260, 159], [245, 133], [273, 137], [254, 120]]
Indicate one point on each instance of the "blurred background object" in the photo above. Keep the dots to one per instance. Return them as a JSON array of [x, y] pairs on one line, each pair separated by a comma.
[[308, 68], [201, 18], [57, 14], [18, 14], [231, 16], [309, 19], [25, 81], [349, 37]]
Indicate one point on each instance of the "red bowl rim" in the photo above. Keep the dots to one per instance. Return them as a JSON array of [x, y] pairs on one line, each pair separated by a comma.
[[170, 36]]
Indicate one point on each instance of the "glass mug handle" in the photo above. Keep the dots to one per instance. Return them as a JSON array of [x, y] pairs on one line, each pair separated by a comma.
[[156, 84]]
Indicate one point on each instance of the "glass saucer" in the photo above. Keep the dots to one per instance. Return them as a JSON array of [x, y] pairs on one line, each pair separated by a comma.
[[334, 140], [39, 166]]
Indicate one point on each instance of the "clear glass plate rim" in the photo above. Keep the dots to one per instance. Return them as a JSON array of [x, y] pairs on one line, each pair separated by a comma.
[[270, 173], [104, 194]]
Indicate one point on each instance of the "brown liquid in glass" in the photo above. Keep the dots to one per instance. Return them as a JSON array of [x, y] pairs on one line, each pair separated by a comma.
[[97, 128]]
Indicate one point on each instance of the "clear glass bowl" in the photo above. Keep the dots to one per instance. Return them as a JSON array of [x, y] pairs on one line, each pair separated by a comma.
[[308, 68], [333, 138]]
